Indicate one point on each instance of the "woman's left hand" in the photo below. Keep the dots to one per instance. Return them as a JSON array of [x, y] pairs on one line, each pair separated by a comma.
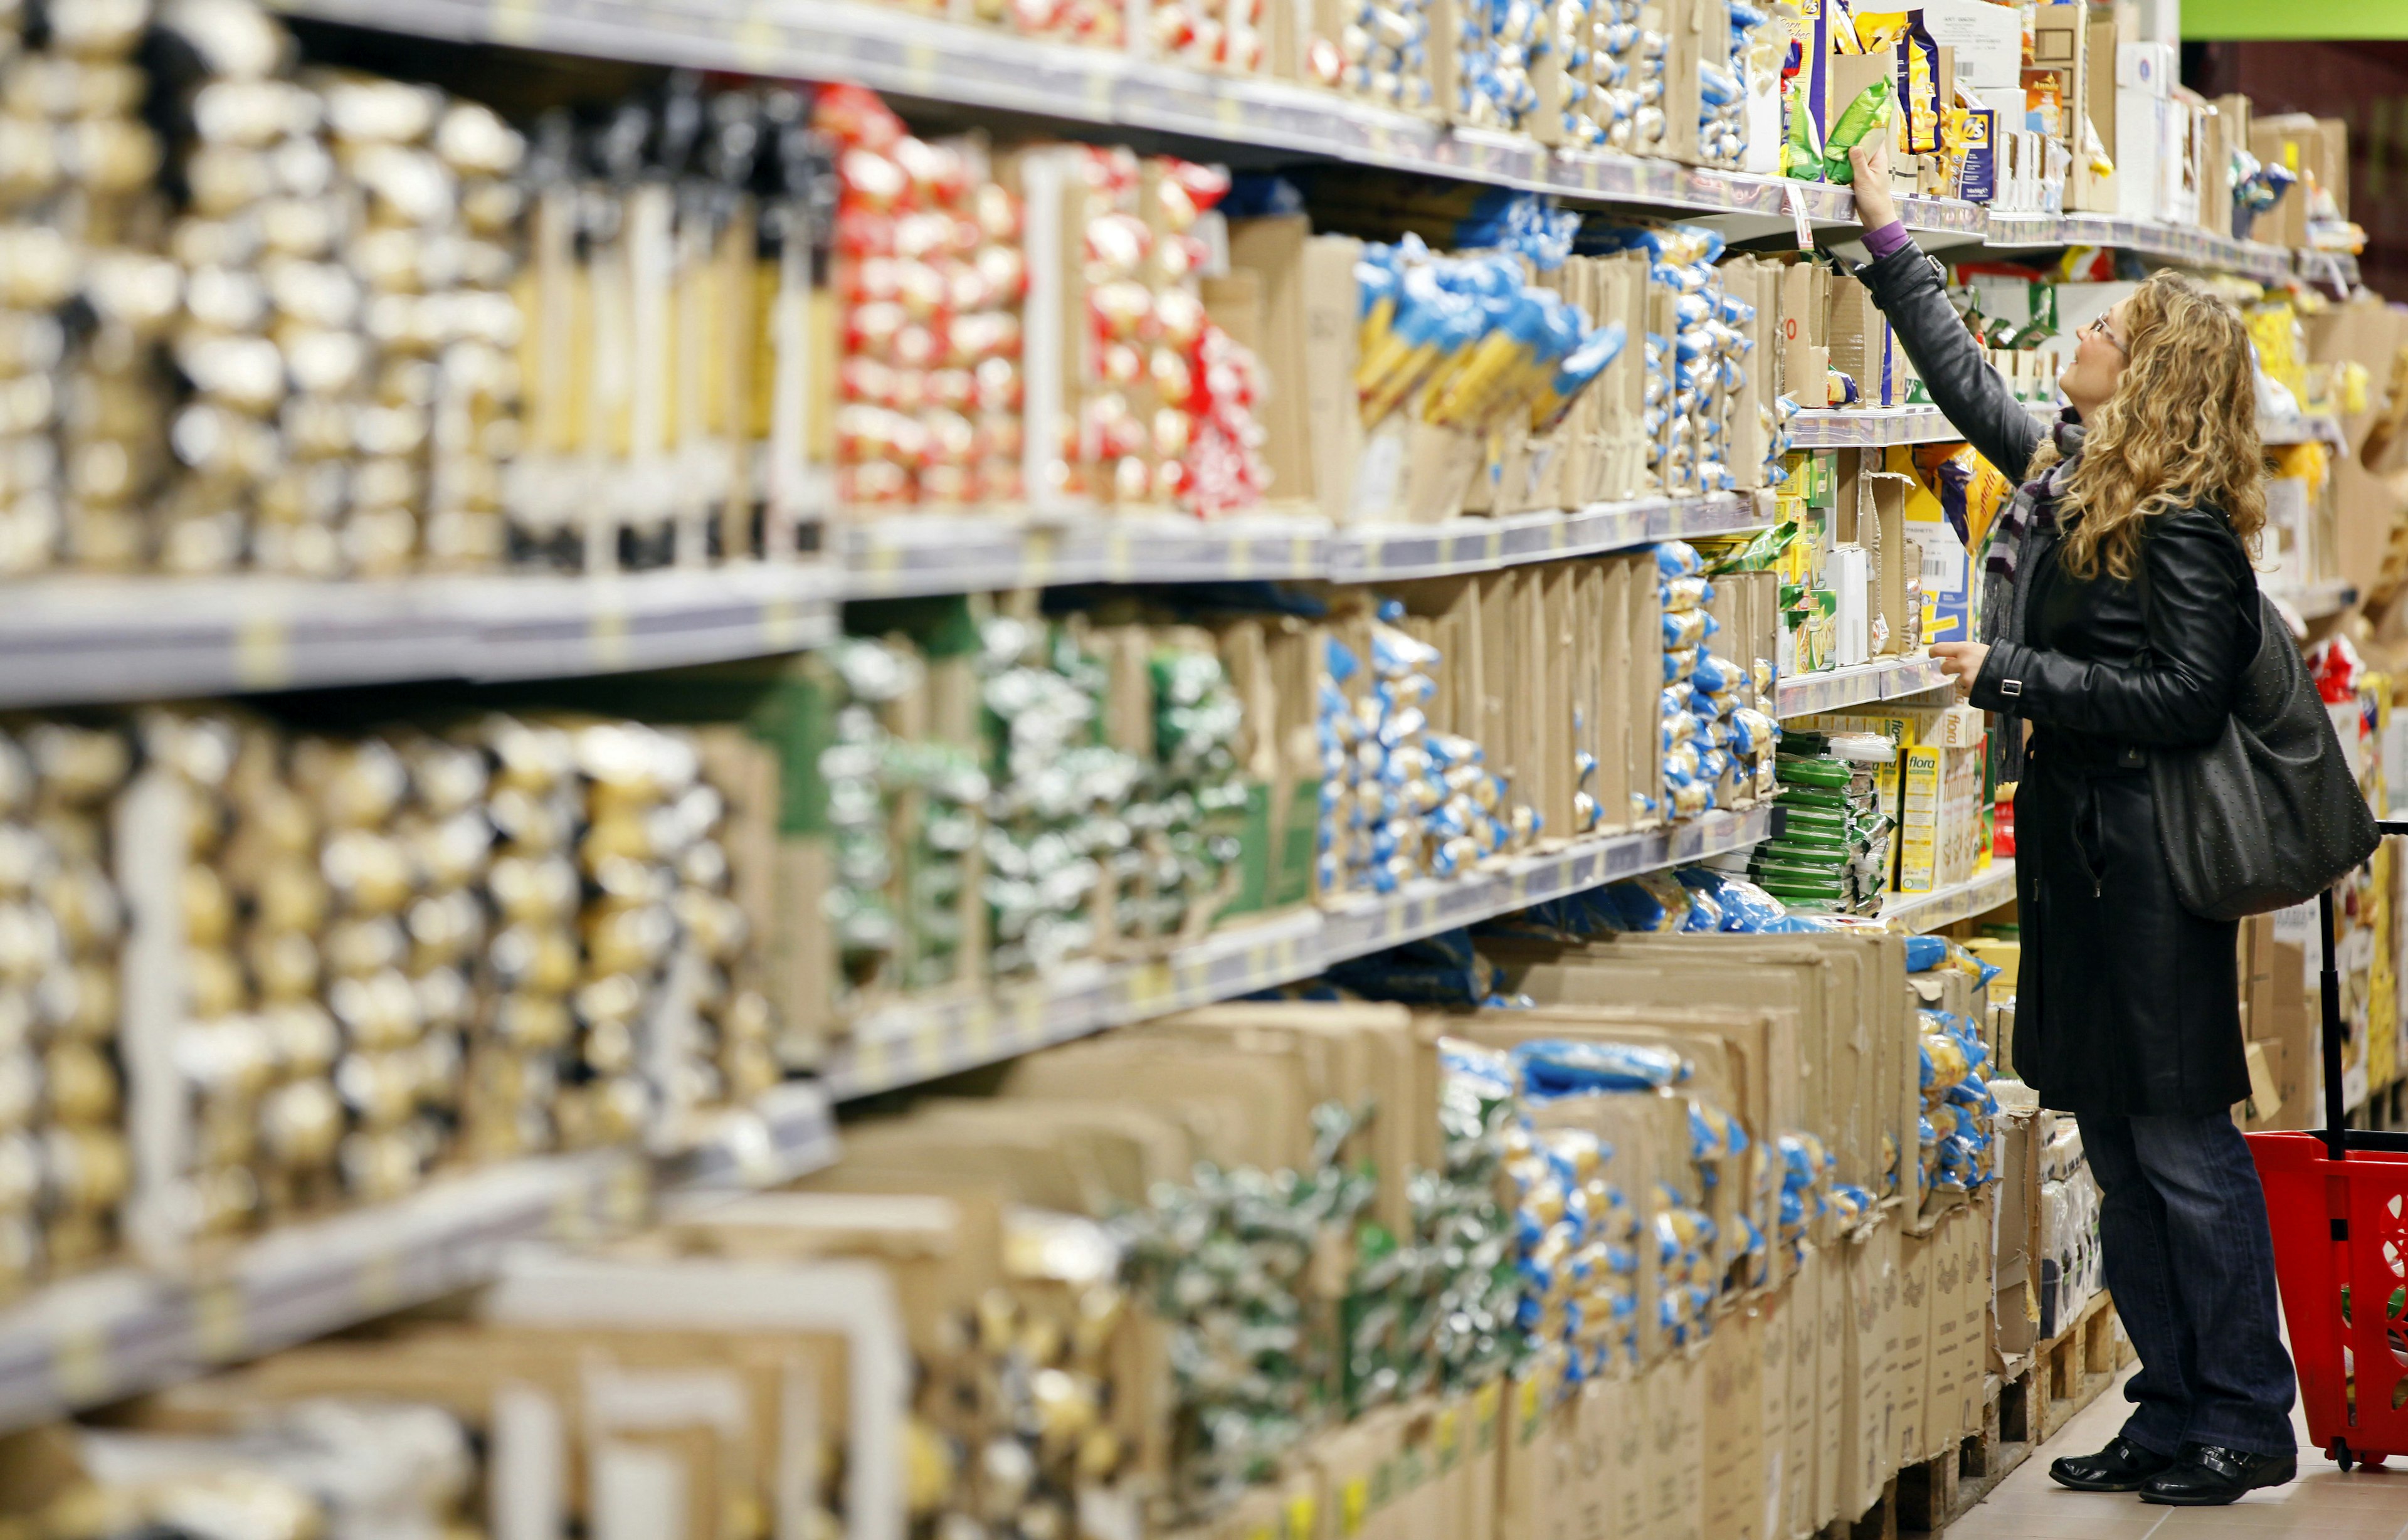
[[1961, 662]]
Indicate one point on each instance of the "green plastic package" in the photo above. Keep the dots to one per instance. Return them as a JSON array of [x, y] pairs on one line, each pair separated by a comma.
[[1867, 113], [1801, 154]]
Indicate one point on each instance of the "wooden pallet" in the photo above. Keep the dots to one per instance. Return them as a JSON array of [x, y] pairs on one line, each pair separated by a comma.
[[2018, 1412], [1934, 1493], [2075, 1366]]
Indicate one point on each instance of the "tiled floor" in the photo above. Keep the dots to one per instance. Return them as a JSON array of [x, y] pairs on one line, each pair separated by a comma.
[[2322, 1505]]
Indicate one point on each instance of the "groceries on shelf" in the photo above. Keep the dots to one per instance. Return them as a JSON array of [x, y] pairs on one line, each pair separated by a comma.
[[1698, 1201], [1255, 1262], [341, 325]]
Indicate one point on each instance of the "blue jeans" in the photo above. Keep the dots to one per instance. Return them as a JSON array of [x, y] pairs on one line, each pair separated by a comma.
[[2189, 1261]]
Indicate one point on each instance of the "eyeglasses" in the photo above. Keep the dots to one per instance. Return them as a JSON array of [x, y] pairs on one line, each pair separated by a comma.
[[2099, 329]]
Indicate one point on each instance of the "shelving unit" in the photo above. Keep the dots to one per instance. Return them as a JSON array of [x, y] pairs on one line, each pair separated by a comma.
[[909, 1043], [2317, 428], [2317, 601], [895, 51], [101, 1336], [66, 640], [2184, 244], [1478, 545], [1837, 688], [1983, 891], [71, 639], [110, 1334], [1877, 427]]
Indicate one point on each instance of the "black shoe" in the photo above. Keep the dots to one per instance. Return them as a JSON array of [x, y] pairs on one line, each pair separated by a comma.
[[2203, 1476], [2121, 1466]]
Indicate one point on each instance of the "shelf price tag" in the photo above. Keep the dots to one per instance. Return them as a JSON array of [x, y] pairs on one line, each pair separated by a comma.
[[263, 654], [378, 1283], [79, 1364], [605, 635], [754, 42], [218, 1327], [978, 1030], [515, 21], [1149, 989], [1794, 195], [782, 625]]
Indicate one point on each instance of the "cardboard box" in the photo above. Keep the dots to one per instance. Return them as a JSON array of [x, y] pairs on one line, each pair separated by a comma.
[[1601, 1483], [1626, 1452], [1674, 1391], [1873, 1288], [2016, 1269], [1835, 1385], [1734, 1453], [1777, 1315], [1806, 1482], [1533, 1451], [1911, 1370]]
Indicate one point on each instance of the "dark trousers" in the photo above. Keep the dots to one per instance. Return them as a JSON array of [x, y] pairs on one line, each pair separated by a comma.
[[2191, 1266]]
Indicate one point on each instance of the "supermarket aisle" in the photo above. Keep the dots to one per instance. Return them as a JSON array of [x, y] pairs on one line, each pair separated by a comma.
[[2322, 1505]]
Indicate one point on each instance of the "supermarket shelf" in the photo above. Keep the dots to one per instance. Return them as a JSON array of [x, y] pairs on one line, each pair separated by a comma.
[[888, 558], [935, 59], [96, 1338], [110, 1334], [71, 638], [909, 1043], [1986, 891], [2317, 601], [1837, 688], [2336, 270], [1874, 427], [2317, 428], [786, 1132], [1430, 906], [2174, 243], [1477, 545], [1869, 427]]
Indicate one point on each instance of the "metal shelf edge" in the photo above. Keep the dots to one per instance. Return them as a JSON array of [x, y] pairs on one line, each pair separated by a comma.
[[910, 1043], [86, 1340], [1979, 894]]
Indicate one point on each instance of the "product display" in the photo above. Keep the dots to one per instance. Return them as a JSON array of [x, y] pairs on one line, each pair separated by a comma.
[[1314, 940]]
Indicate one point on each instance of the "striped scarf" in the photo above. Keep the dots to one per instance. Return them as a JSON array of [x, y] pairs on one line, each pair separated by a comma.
[[2025, 528]]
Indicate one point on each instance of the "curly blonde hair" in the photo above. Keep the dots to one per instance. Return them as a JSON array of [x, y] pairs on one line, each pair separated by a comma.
[[2180, 431]]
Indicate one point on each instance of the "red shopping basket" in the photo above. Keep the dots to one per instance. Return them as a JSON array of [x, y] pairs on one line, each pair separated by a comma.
[[2338, 1202]]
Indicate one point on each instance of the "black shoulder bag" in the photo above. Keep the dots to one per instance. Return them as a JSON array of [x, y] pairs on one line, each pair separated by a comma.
[[2268, 815]]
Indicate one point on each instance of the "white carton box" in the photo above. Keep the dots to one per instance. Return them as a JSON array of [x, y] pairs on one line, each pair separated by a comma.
[[2146, 66], [2140, 150]]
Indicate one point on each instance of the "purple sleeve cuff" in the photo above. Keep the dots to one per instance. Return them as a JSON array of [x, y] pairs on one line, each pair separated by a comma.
[[1889, 239]]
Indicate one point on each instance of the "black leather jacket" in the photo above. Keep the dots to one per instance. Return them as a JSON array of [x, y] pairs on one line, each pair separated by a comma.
[[2127, 1003], [2090, 666]]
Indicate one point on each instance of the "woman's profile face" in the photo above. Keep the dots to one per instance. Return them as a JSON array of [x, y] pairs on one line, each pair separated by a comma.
[[2100, 350]]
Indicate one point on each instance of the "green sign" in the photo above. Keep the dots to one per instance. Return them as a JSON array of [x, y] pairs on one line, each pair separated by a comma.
[[2212, 21]]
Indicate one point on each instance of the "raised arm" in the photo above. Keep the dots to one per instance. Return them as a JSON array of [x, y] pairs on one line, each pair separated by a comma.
[[2200, 615], [1906, 285]]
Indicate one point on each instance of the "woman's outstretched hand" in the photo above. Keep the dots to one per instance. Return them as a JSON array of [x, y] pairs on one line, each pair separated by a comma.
[[1869, 161], [1961, 662]]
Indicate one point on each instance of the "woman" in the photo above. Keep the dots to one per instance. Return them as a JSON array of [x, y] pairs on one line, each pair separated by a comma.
[[2119, 611]]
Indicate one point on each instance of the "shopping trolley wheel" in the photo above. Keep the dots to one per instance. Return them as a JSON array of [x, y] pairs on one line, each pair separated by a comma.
[[2340, 1454]]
